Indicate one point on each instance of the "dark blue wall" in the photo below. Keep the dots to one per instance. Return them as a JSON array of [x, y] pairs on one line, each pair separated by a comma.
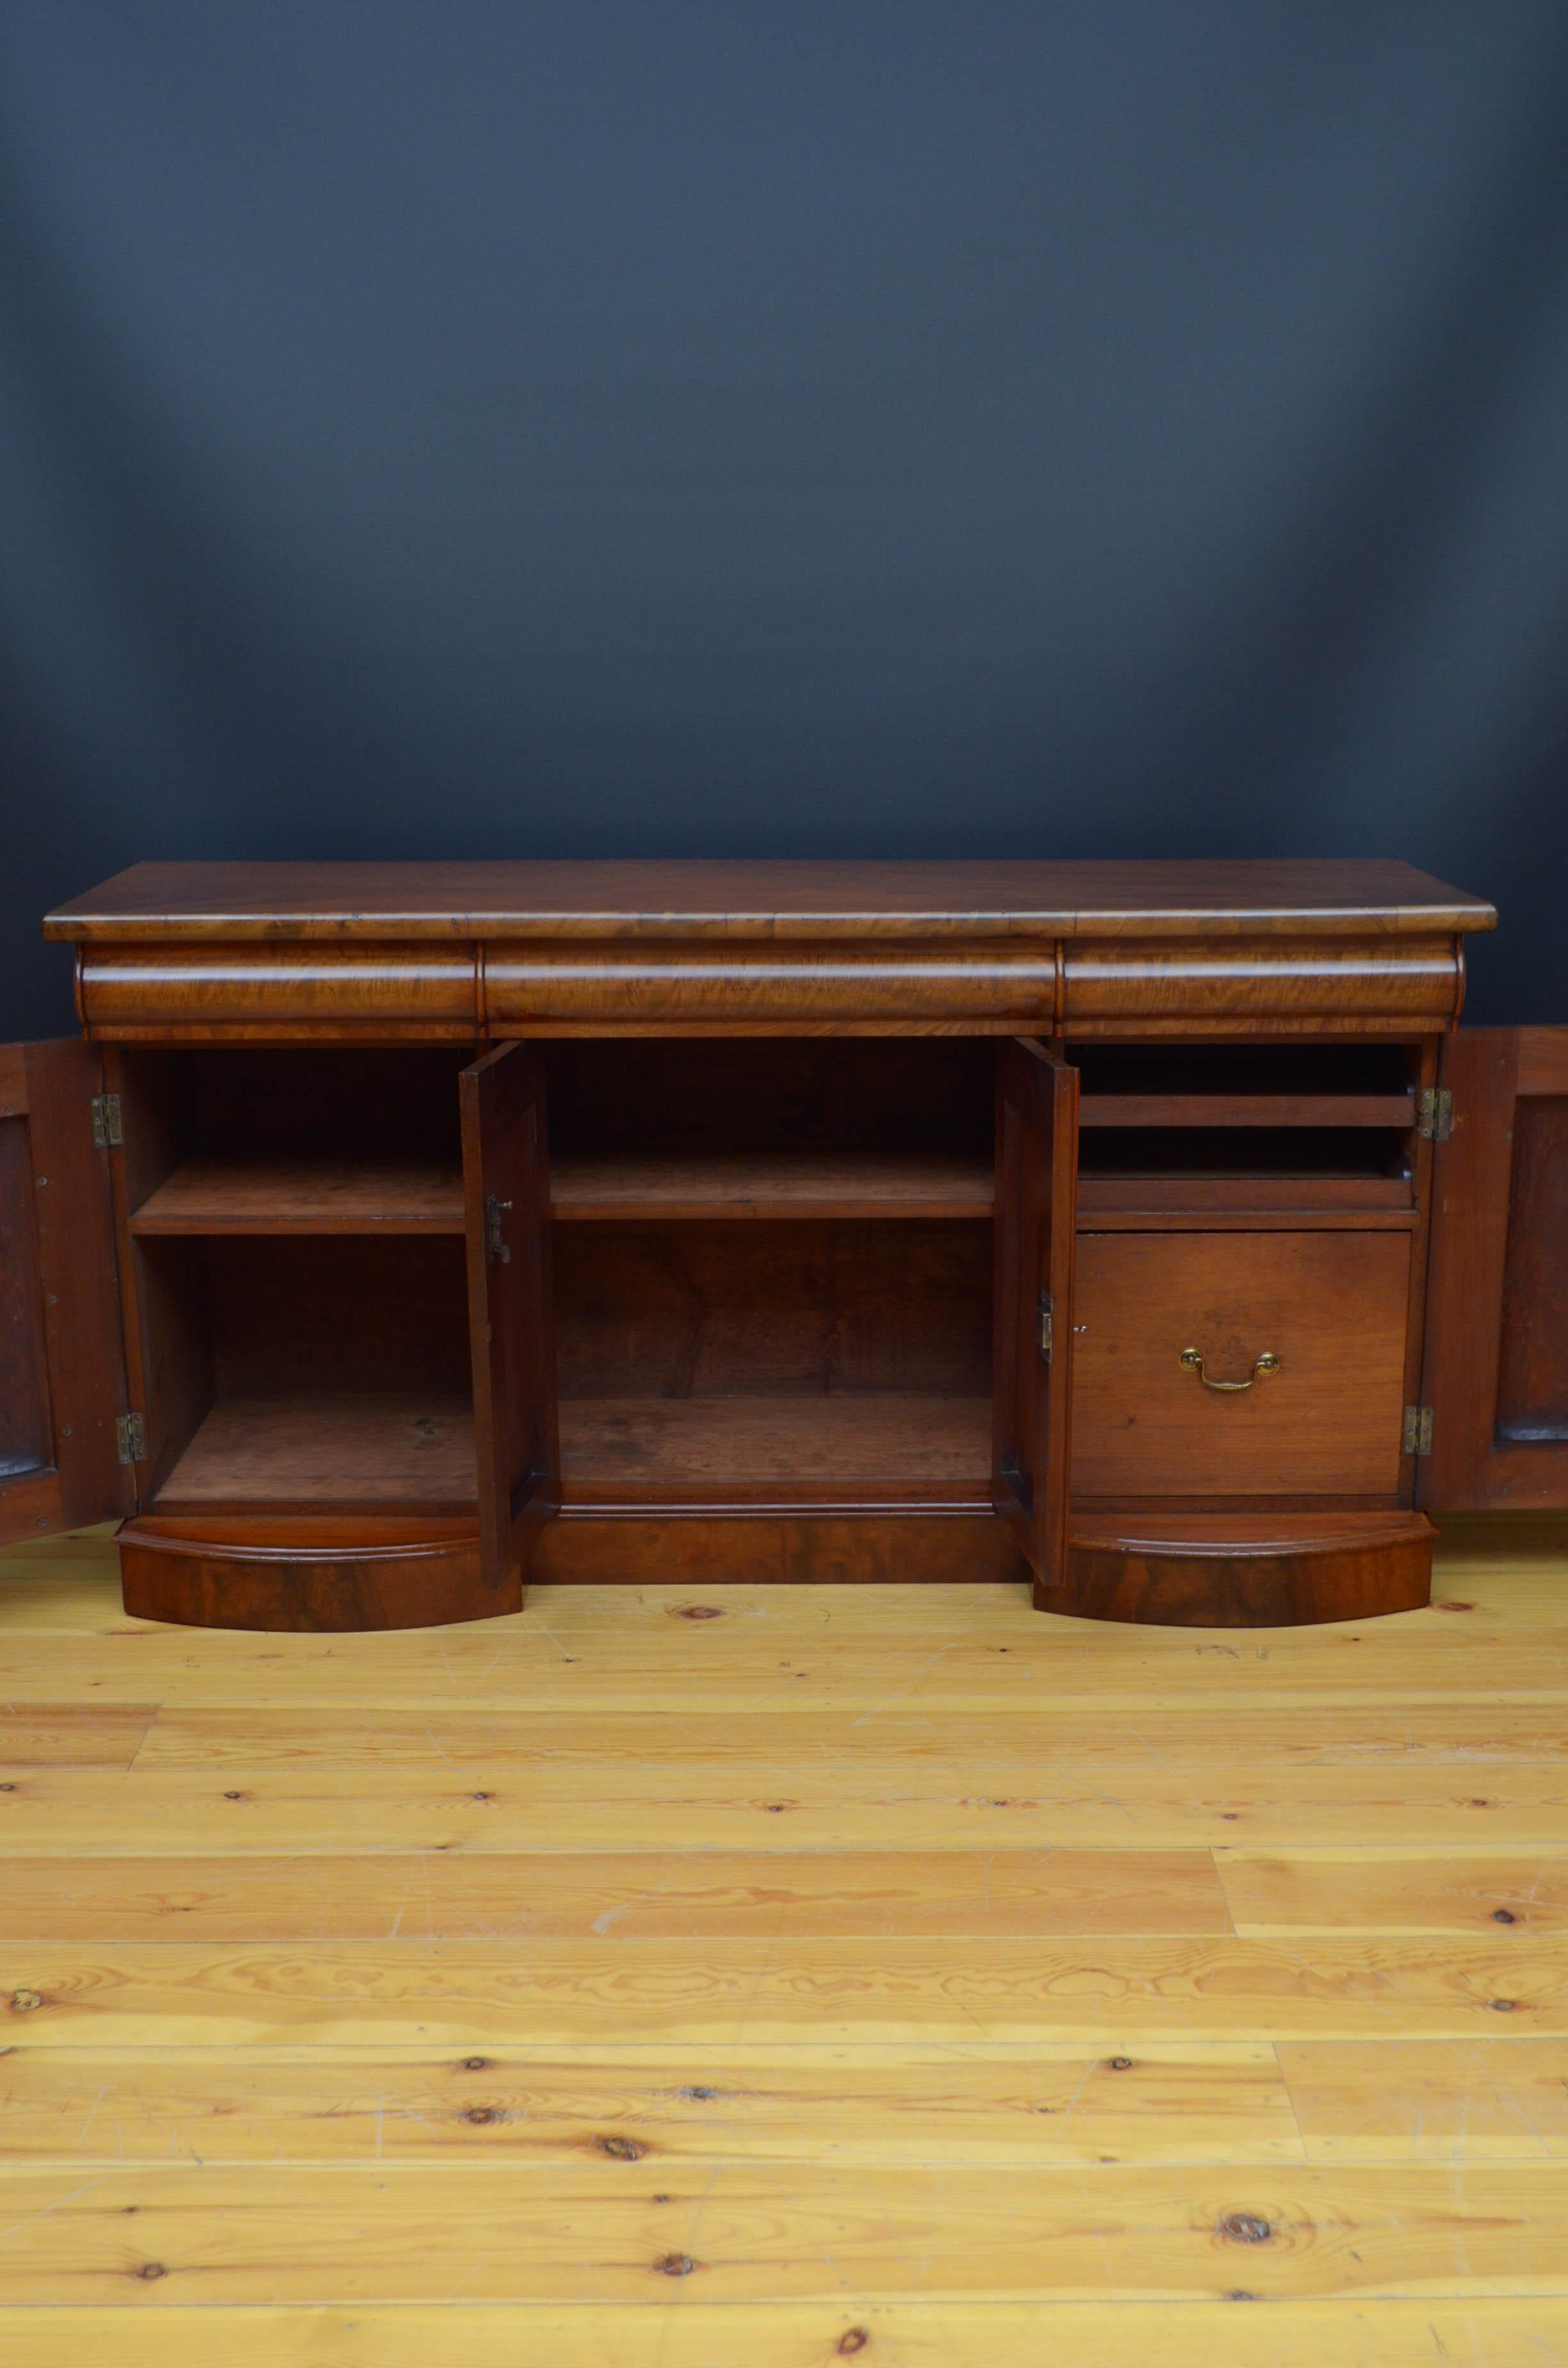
[[808, 427]]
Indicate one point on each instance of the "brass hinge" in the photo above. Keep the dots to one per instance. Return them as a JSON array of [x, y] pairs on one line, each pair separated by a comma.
[[494, 1247], [1434, 1113], [1417, 1432], [106, 1121], [130, 1437], [1047, 1326]]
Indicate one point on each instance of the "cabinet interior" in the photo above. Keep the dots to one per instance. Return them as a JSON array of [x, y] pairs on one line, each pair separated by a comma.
[[772, 1257], [786, 1296], [1246, 1128], [296, 1229]]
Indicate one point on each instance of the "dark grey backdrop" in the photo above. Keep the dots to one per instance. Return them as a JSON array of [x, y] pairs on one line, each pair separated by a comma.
[[786, 427]]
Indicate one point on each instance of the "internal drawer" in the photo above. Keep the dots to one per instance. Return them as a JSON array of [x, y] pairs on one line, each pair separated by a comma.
[[1328, 1419]]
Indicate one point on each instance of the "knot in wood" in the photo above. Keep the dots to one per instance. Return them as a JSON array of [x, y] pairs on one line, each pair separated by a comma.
[[853, 2340], [1120, 2063], [1246, 2228], [152, 2269], [1503, 1916], [24, 2002], [480, 2115], [675, 2265], [623, 2149], [476, 2062], [696, 1611]]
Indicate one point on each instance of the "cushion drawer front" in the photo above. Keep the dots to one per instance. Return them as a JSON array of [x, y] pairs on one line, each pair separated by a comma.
[[1331, 1306], [663, 985], [1312, 981], [282, 991]]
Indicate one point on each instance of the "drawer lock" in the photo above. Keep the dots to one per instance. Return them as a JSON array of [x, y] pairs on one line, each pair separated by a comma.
[[1266, 1363]]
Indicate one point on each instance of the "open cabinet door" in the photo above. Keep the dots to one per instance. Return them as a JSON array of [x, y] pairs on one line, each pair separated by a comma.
[[63, 1403], [1497, 1359], [506, 1198], [1037, 1184]]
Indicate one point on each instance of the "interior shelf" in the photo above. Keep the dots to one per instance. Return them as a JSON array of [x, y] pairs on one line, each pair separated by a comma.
[[772, 1184], [1159, 1194], [343, 1448], [408, 1448], [322, 1197], [1240, 1168], [342, 1196], [1247, 1110], [1243, 1073], [305, 1196], [809, 1450]]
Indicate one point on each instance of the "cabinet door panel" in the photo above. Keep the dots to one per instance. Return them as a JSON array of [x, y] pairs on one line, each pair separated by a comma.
[[1496, 1374], [62, 1361], [1037, 1165], [506, 1201]]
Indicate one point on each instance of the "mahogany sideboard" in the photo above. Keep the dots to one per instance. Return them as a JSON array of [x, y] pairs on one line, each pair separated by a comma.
[[396, 1231]]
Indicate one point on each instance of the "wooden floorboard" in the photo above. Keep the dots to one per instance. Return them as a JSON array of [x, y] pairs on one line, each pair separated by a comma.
[[775, 1976], [495, 2230], [697, 1994], [517, 1801], [682, 2332]]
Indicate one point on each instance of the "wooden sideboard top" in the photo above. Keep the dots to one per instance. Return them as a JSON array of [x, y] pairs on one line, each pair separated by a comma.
[[1294, 898]]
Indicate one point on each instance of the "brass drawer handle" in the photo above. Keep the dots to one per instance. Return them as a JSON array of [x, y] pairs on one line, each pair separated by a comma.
[[1267, 1363]]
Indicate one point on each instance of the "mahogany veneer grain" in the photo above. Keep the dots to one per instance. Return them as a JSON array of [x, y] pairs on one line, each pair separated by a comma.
[[1239, 1571], [291, 1574]]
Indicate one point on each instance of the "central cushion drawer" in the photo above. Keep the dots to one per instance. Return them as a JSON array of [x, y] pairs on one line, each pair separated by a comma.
[[1330, 1306], [663, 984]]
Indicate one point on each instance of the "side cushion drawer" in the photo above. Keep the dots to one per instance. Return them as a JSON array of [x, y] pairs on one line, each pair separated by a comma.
[[1408, 979], [287, 991], [1331, 1306]]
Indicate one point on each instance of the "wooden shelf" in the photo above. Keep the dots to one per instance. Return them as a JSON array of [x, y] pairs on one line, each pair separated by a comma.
[[1167, 1192], [301, 1196], [1247, 1110], [348, 1449], [817, 1184], [829, 1451], [218, 1196], [223, 1197], [400, 1449]]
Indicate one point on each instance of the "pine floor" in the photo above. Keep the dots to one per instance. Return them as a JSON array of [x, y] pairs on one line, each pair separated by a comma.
[[733, 1977]]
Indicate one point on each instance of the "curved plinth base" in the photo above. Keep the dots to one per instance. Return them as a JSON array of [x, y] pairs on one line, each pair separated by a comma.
[[1278, 1570], [306, 1572]]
